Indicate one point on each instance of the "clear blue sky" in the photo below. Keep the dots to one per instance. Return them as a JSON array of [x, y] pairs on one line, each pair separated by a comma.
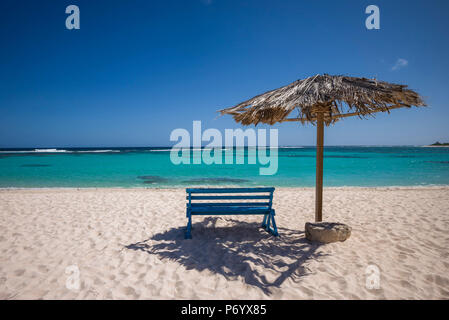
[[136, 70]]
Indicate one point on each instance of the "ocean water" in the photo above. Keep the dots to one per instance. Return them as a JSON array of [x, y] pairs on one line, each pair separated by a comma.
[[152, 167]]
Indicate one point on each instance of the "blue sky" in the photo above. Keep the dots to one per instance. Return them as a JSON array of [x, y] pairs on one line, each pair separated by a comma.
[[136, 70]]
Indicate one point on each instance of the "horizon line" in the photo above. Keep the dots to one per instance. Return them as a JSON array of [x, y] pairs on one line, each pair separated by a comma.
[[213, 147]]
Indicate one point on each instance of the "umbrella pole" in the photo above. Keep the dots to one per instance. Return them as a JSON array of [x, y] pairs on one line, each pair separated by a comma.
[[319, 168]]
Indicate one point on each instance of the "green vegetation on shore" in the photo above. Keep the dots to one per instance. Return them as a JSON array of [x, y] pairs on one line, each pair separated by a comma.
[[440, 144]]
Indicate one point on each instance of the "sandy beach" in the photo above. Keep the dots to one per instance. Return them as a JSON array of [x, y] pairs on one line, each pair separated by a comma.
[[129, 244]]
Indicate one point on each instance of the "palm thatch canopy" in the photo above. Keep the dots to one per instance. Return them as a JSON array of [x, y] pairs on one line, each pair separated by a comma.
[[333, 96]]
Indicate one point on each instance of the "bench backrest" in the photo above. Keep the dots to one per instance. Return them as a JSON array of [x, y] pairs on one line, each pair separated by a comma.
[[262, 197]]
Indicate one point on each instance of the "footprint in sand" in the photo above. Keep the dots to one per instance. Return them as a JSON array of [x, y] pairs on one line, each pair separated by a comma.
[[42, 268], [444, 292], [343, 284], [404, 249], [406, 284], [141, 276], [19, 272], [439, 280], [129, 291]]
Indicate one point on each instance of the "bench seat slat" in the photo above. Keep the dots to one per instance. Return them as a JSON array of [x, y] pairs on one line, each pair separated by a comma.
[[228, 190], [203, 209], [230, 204], [226, 213], [227, 210], [227, 197]]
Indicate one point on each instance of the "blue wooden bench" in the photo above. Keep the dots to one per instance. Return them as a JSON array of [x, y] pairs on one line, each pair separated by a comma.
[[203, 201]]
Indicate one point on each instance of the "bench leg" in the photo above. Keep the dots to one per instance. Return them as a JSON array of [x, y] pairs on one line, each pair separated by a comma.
[[267, 226], [268, 221], [274, 230], [188, 234], [264, 222]]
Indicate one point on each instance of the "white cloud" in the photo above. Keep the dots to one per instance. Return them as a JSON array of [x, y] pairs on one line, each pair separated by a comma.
[[400, 63]]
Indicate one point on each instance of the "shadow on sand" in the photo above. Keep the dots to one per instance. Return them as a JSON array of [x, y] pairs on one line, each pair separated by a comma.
[[241, 250]]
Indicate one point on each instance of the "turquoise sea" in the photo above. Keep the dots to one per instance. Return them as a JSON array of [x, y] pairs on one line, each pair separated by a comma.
[[151, 167]]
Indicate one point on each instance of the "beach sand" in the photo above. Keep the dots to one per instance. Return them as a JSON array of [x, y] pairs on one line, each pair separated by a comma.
[[129, 244]]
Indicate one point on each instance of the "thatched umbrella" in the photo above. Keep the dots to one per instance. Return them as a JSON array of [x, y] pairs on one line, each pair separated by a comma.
[[323, 99]]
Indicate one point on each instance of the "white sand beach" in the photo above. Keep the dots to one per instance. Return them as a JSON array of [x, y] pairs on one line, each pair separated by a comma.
[[129, 244]]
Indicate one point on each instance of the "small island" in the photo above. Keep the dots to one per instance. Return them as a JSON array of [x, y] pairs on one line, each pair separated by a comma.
[[439, 144]]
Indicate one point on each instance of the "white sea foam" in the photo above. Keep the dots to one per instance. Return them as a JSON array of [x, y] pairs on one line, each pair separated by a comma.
[[50, 150], [34, 151], [15, 151], [186, 148], [291, 147], [162, 150], [94, 151], [57, 151]]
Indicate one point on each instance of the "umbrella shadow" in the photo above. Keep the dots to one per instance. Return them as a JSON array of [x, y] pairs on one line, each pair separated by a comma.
[[242, 250]]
